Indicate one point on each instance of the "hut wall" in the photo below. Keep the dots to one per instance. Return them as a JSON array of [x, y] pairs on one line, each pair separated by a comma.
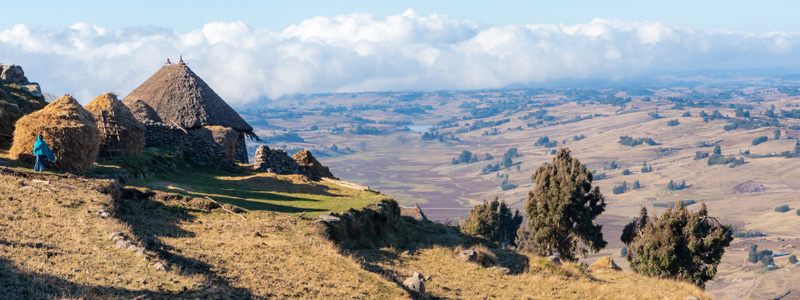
[[198, 149], [241, 150]]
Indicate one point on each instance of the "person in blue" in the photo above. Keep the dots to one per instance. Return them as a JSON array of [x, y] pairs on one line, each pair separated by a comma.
[[42, 152]]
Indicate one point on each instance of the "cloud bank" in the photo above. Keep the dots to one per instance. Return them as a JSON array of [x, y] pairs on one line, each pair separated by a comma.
[[359, 52]]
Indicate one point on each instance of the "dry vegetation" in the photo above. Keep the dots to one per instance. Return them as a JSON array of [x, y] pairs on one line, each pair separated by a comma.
[[55, 244]]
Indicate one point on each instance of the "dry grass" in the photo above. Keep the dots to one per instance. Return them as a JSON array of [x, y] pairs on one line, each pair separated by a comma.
[[68, 129], [54, 245], [131, 130]]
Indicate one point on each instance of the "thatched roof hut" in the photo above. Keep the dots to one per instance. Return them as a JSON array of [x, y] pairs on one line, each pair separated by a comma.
[[68, 129], [177, 94], [131, 130], [142, 112]]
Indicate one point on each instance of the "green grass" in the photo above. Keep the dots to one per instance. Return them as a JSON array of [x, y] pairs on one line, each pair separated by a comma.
[[260, 191]]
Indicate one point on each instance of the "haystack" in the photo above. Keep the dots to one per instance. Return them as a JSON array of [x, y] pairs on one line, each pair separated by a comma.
[[131, 131], [604, 263], [224, 136], [67, 127], [313, 167]]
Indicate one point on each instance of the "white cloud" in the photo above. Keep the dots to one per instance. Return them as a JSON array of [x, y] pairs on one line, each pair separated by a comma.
[[363, 52]]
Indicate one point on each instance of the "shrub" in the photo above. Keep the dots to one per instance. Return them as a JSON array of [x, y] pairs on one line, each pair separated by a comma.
[[673, 122], [629, 141], [782, 208], [797, 212], [636, 185], [558, 223], [680, 244], [626, 172], [793, 259], [492, 220], [759, 140], [686, 114], [645, 168]]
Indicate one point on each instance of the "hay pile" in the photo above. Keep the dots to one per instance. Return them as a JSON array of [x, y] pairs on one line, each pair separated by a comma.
[[313, 168], [131, 131], [224, 136], [68, 129]]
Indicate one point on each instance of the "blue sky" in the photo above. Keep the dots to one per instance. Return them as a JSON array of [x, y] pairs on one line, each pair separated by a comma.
[[184, 15], [247, 50]]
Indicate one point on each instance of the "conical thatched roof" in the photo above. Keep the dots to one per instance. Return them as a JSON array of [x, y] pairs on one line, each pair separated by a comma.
[[131, 130], [142, 112], [68, 129], [178, 95]]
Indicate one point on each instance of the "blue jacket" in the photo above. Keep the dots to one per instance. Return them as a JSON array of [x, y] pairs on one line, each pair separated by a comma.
[[41, 148]]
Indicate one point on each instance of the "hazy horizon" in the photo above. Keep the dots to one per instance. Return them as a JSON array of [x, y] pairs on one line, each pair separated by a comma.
[[403, 51]]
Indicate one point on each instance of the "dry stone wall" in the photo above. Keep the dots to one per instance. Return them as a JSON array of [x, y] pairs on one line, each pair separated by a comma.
[[194, 147], [276, 161]]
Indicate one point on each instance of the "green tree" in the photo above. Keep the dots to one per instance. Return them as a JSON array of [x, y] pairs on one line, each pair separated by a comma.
[[636, 185], [561, 210], [717, 150], [777, 134], [680, 244], [493, 220], [793, 259]]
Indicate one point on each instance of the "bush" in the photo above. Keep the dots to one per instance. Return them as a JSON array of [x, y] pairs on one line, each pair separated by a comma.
[[629, 141], [673, 122], [793, 259], [759, 140], [558, 223], [686, 114], [782, 208], [626, 172], [681, 244], [645, 168], [493, 221], [636, 185], [797, 212]]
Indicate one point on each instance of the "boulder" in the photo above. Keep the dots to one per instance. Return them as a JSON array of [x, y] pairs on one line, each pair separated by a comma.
[[554, 259], [329, 219], [414, 284], [32, 88], [12, 73], [604, 263], [468, 255], [503, 270], [413, 212], [313, 168]]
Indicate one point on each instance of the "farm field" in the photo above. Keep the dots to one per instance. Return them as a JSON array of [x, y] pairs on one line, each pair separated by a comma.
[[397, 161]]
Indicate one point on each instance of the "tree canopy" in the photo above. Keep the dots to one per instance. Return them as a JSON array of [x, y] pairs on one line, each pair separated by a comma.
[[561, 210]]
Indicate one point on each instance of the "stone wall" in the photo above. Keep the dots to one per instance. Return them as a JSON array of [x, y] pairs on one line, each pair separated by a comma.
[[276, 161], [195, 147]]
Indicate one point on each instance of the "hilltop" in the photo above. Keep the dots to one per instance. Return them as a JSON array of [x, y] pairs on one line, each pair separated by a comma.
[[190, 231]]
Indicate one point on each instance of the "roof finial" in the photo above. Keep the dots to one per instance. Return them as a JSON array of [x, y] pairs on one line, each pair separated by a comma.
[[168, 62], [181, 59]]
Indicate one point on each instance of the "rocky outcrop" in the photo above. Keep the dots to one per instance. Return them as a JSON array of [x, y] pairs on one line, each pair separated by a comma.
[[414, 212], [313, 168], [15, 74]]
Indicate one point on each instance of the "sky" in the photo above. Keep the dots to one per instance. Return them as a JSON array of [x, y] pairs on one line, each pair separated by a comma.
[[251, 49]]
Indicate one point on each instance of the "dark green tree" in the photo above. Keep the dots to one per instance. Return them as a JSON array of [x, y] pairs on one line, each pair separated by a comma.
[[493, 220], [636, 185], [680, 244], [561, 210], [777, 134], [717, 150]]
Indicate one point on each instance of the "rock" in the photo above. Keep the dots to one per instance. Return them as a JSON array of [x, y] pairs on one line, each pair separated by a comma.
[[329, 219], [103, 213], [692, 297], [604, 263], [133, 248], [116, 235], [160, 267], [123, 244], [141, 297], [428, 278], [32, 88], [417, 275], [12, 73], [405, 253], [468, 255], [413, 212], [554, 259], [503, 270], [313, 168], [415, 285]]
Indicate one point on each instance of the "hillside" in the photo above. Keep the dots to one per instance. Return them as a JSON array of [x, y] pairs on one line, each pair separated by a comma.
[[410, 153], [167, 237]]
